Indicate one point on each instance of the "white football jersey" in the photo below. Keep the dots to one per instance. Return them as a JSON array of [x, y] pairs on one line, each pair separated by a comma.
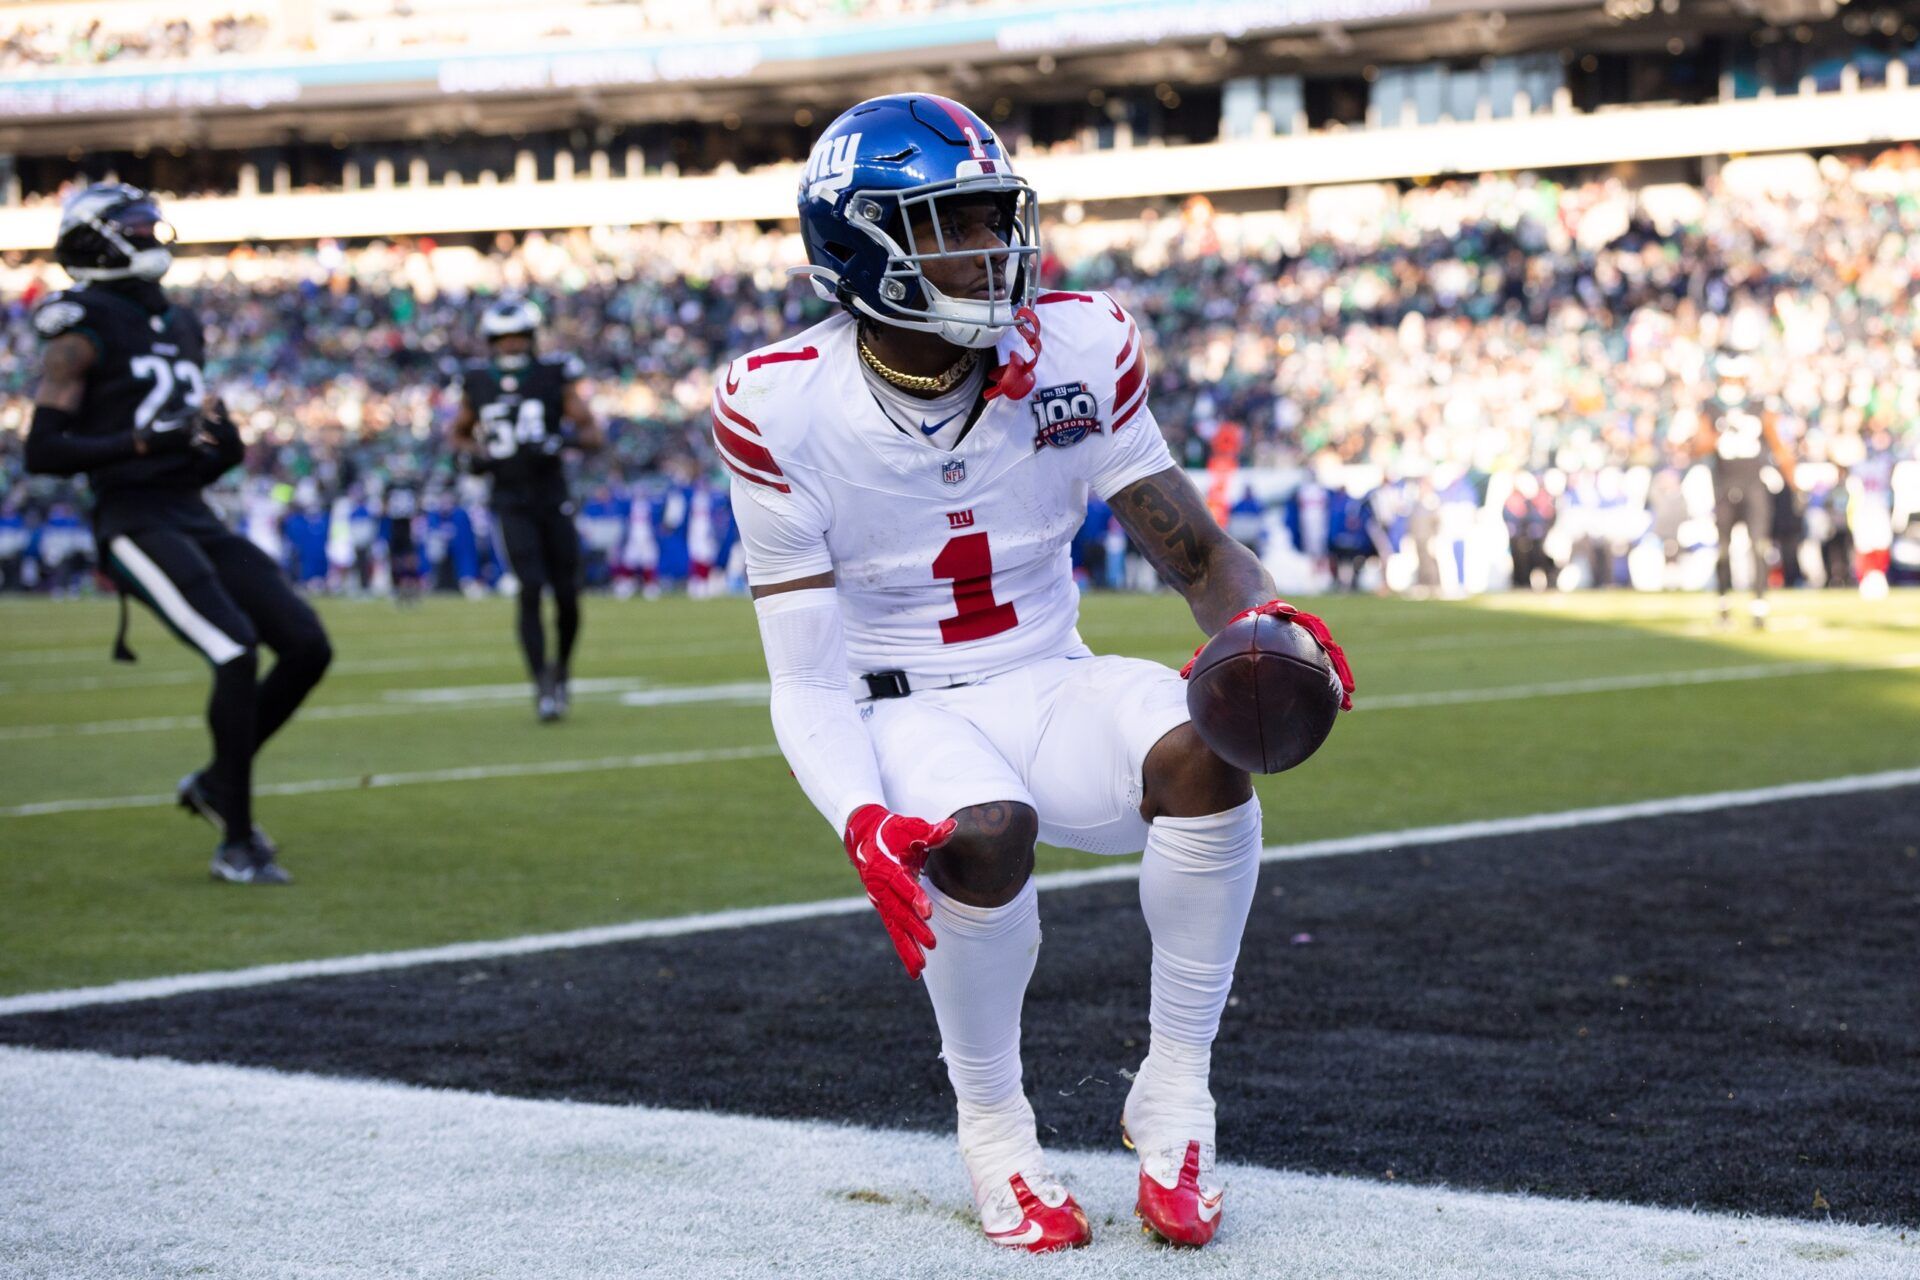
[[948, 562]]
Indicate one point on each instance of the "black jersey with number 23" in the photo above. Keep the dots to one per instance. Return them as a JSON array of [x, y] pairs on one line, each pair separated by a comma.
[[520, 425], [146, 366]]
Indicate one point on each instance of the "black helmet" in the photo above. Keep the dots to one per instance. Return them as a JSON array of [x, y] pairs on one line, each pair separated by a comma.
[[510, 317], [112, 231]]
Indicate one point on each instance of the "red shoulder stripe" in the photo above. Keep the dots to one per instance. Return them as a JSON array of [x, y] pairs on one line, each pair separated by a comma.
[[748, 475], [1131, 380], [1126, 352], [781, 357], [1059, 296], [1127, 417], [735, 414], [749, 453]]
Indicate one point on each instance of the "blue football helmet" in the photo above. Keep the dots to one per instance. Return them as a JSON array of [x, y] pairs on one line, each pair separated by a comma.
[[871, 210]]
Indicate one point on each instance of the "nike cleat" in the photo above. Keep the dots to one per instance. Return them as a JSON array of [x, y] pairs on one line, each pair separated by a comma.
[[1021, 1205], [562, 695], [1181, 1205], [1039, 1216], [546, 703], [1168, 1121], [246, 862], [196, 798]]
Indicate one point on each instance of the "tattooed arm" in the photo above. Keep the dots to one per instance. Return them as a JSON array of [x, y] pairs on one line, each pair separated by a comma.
[[1173, 528]]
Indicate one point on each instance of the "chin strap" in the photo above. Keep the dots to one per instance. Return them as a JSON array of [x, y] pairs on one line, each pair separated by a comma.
[[1312, 626], [1014, 379]]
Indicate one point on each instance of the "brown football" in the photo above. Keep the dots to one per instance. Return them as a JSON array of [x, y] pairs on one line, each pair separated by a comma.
[[1263, 694]]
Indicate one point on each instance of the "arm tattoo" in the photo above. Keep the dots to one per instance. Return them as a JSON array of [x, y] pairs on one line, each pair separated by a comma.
[[1191, 552], [63, 372]]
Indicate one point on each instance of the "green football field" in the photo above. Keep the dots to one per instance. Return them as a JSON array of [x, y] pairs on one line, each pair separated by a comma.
[[417, 802]]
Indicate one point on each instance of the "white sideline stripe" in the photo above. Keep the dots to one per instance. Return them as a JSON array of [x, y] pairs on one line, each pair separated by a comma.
[[119, 1167], [480, 697], [372, 781], [751, 917], [350, 667], [1641, 680], [219, 647], [471, 697], [464, 693]]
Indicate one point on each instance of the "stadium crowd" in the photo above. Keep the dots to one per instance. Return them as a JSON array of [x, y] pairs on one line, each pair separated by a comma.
[[91, 40], [1447, 388], [351, 28]]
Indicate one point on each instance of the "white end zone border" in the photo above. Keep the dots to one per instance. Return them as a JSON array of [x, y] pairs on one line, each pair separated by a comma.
[[142, 1167], [160, 988]]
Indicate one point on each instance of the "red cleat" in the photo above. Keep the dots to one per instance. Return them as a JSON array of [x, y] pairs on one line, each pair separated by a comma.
[[1021, 1205], [1181, 1210], [1017, 1216]]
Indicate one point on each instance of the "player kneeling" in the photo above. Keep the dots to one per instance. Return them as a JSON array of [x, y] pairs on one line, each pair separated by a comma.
[[908, 476]]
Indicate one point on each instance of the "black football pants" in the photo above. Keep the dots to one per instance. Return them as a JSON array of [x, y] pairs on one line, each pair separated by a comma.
[[225, 597], [1749, 503], [543, 550]]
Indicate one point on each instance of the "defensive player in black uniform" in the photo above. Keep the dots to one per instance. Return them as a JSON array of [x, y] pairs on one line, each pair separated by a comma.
[[1743, 440], [400, 503], [123, 400], [518, 411]]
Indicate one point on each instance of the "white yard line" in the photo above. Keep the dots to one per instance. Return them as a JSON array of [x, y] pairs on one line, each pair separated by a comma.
[[142, 1167], [198, 675], [372, 781], [462, 697], [402, 702], [1528, 824]]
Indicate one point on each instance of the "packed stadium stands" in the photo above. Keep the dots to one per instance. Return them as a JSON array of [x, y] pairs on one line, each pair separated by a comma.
[[1423, 347], [1267, 186]]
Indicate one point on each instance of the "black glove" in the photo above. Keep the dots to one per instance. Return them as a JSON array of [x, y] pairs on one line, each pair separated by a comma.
[[217, 447], [167, 434]]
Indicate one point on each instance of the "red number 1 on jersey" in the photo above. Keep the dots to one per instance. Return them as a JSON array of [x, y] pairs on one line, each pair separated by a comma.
[[968, 561]]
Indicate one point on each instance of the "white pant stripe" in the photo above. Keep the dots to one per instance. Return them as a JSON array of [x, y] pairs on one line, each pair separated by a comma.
[[219, 647]]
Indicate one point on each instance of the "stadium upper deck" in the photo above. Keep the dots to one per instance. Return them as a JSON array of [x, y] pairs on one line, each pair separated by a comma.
[[347, 120]]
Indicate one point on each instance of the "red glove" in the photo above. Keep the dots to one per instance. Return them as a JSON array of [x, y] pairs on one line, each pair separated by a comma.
[[1313, 627], [889, 851]]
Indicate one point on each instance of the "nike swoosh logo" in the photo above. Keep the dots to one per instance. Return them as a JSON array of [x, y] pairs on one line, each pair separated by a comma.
[[1118, 314], [1210, 1209], [733, 383], [1027, 1234], [926, 430]]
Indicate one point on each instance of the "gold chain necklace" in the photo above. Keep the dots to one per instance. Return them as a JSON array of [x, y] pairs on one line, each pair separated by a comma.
[[932, 384]]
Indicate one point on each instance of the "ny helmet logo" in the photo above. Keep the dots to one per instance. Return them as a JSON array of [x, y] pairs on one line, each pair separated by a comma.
[[830, 167]]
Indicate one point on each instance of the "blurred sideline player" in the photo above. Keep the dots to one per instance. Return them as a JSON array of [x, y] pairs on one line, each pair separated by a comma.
[[399, 505], [518, 411], [123, 399], [907, 479], [1744, 440]]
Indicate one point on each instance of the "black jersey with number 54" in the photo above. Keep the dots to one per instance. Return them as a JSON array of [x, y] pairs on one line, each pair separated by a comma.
[[520, 426], [146, 366]]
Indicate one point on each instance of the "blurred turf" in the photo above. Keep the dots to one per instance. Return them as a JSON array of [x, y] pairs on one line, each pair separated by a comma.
[[90, 897]]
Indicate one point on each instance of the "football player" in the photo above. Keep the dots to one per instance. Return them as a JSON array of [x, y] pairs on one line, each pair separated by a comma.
[[123, 400], [1742, 441], [518, 410], [907, 479]]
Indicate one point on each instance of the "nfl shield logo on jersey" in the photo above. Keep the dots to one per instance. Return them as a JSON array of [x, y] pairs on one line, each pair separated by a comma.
[[1066, 415], [955, 471]]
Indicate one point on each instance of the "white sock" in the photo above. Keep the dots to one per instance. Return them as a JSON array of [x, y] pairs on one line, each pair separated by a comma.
[[1196, 885], [977, 976]]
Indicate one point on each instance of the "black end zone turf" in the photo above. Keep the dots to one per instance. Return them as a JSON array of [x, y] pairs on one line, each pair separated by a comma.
[[1719, 1010]]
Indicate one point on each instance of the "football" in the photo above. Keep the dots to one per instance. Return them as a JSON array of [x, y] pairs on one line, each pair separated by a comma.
[[1263, 694]]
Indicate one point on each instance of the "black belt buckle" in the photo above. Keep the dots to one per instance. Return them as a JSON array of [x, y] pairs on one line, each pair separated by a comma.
[[887, 684]]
